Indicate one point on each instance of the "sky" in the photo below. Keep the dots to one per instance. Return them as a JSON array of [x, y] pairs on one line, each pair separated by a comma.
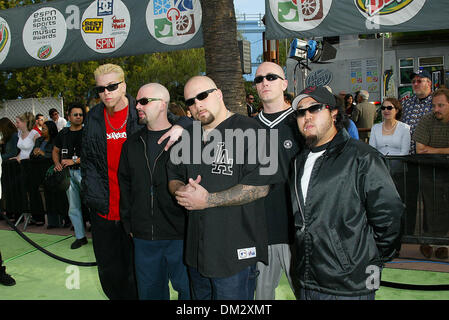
[[249, 6]]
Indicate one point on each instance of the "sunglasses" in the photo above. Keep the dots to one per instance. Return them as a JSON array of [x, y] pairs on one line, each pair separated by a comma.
[[77, 115], [269, 77], [315, 108], [110, 87], [200, 96], [145, 101], [386, 107]]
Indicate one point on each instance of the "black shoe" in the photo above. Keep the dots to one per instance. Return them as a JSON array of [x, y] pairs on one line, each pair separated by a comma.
[[6, 279], [78, 243]]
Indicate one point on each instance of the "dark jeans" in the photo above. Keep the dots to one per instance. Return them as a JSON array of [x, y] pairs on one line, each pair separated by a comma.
[[157, 262], [240, 286], [114, 253], [305, 294]]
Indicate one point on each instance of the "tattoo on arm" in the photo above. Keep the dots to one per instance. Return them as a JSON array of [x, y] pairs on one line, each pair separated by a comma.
[[237, 195]]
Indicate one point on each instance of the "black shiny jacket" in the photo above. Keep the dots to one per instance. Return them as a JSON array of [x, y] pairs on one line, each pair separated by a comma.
[[351, 219]]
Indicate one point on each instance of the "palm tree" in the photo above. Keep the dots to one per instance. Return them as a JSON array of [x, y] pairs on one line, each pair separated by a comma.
[[222, 52]]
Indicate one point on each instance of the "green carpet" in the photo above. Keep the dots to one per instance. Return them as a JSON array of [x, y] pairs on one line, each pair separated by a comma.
[[40, 277]]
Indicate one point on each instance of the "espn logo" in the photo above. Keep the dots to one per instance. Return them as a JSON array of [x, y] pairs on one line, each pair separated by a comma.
[[105, 43], [93, 25]]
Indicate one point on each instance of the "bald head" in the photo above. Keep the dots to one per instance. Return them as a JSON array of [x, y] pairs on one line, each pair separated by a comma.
[[205, 101], [155, 90], [270, 67], [271, 92]]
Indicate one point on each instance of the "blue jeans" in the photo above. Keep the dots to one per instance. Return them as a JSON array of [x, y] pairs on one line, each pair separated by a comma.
[[156, 262], [240, 286], [305, 294], [74, 197]]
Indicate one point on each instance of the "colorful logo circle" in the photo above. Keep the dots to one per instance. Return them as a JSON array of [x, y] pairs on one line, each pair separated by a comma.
[[389, 12], [173, 22], [44, 33], [300, 15]]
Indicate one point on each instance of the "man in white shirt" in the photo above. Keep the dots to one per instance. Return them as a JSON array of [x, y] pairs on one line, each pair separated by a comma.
[[60, 121]]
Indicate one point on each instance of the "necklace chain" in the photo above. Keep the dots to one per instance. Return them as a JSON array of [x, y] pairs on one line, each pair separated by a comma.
[[392, 128], [121, 127]]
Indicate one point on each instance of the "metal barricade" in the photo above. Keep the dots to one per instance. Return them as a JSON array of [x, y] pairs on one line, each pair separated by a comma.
[[423, 184]]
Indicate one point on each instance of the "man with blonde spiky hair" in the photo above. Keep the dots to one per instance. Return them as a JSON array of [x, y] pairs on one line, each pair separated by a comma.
[[106, 128]]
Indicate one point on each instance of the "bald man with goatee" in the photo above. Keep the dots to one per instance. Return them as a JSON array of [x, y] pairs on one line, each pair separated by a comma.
[[277, 115], [148, 212], [226, 231]]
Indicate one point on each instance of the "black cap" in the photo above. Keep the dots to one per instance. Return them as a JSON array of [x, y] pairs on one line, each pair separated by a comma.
[[320, 94], [422, 74]]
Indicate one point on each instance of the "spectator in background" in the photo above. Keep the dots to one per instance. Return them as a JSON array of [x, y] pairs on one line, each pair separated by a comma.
[[288, 98], [364, 114], [43, 146], [391, 137], [39, 123], [432, 137], [349, 106], [419, 104], [66, 154], [27, 135], [252, 111], [347, 122], [176, 109], [9, 139], [59, 121]]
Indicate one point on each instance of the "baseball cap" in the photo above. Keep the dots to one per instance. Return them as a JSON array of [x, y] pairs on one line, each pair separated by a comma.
[[320, 94], [422, 74]]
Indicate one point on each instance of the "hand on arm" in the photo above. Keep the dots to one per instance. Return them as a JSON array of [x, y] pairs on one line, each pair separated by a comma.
[[198, 198], [174, 133], [423, 149]]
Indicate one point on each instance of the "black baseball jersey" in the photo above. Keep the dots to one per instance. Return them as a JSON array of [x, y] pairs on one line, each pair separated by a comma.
[[222, 241], [277, 203]]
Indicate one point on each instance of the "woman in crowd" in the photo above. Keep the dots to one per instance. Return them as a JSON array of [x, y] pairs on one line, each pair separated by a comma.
[[27, 135], [43, 146], [9, 139], [349, 106], [391, 137]]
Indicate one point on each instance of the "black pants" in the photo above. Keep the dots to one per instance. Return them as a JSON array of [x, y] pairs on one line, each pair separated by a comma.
[[114, 254]]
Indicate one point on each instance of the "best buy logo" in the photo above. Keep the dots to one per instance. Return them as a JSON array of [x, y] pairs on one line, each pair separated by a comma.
[[93, 25], [382, 7]]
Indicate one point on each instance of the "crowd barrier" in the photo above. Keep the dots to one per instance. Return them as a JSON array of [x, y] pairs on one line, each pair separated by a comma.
[[423, 184], [421, 180]]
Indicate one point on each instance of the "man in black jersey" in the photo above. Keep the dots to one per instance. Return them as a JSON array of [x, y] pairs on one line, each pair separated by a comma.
[[148, 211], [226, 231], [270, 83]]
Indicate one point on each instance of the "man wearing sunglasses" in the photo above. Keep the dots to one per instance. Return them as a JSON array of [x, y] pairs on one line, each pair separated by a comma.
[[106, 128], [153, 218], [60, 121], [347, 210], [226, 231], [278, 115], [67, 154]]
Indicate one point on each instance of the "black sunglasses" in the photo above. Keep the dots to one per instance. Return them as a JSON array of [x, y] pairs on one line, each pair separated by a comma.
[[269, 77], [145, 101], [315, 108], [200, 96], [77, 115], [386, 107], [110, 87]]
